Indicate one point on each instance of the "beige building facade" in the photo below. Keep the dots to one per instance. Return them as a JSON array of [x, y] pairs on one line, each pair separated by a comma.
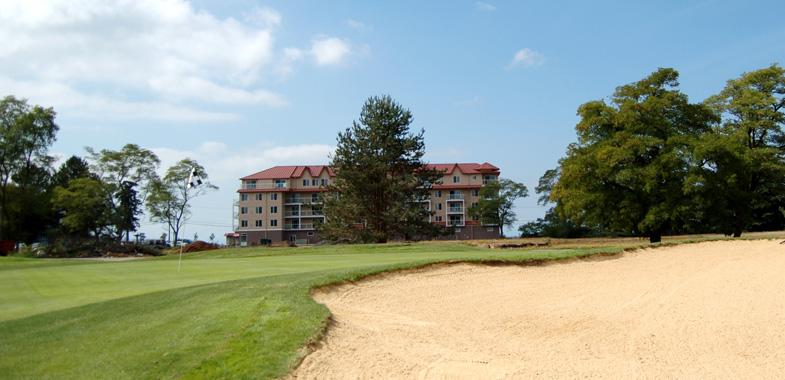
[[281, 204]]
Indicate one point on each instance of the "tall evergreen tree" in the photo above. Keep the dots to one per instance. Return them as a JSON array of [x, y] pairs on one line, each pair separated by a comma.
[[381, 179]]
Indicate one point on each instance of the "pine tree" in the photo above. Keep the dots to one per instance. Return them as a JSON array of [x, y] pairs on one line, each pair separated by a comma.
[[381, 179]]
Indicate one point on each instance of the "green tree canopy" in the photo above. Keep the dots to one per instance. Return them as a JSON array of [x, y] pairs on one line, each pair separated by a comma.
[[628, 169], [380, 180], [169, 198], [86, 205], [495, 206], [739, 177], [129, 172], [26, 132]]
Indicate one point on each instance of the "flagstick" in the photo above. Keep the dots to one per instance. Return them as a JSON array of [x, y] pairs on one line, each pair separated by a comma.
[[180, 259], [188, 185]]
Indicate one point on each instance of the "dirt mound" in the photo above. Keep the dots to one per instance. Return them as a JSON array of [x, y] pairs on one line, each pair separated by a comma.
[[199, 246], [708, 310]]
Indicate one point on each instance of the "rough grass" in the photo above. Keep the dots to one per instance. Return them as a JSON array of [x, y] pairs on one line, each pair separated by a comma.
[[234, 313]]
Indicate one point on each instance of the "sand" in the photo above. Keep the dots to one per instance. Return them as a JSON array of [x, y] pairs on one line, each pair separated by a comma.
[[707, 310]]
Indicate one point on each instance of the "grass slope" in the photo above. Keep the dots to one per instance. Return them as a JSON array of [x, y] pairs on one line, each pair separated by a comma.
[[232, 313]]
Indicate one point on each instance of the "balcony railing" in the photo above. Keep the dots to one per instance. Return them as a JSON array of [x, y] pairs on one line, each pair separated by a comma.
[[301, 200], [455, 210], [302, 226], [456, 196], [303, 214]]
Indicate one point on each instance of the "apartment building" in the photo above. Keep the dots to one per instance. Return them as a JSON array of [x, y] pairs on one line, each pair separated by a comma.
[[282, 203]]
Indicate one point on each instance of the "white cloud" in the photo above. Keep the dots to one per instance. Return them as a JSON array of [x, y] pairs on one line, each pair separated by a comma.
[[526, 58], [226, 165], [483, 6], [264, 16], [359, 25], [97, 107], [291, 55], [165, 51], [330, 50]]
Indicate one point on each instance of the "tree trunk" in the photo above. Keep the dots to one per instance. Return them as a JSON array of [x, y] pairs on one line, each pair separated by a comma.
[[737, 231], [655, 237]]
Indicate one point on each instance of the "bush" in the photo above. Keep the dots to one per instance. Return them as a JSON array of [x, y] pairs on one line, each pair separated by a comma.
[[92, 248]]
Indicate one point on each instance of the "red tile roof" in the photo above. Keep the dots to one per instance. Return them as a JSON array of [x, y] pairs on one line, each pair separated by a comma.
[[291, 171], [297, 171], [466, 168]]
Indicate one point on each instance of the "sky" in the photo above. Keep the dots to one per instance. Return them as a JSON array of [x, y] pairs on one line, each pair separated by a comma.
[[244, 85]]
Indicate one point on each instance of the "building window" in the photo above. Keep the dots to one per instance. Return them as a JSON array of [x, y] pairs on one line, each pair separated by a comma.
[[314, 197], [259, 196], [476, 193], [259, 223], [243, 223], [438, 193], [273, 222], [438, 218], [279, 183], [243, 197], [273, 209], [243, 210], [314, 182], [439, 206], [259, 210], [456, 179], [488, 178], [305, 182], [250, 184], [474, 204], [310, 234], [474, 177], [324, 181], [274, 196]]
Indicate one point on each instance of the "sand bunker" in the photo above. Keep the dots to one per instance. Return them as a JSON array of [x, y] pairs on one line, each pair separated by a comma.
[[708, 310]]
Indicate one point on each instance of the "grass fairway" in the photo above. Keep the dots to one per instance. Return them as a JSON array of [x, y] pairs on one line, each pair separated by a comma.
[[239, 313]]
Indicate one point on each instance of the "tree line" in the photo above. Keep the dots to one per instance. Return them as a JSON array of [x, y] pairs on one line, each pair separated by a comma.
[[86, 200], [649, 162]]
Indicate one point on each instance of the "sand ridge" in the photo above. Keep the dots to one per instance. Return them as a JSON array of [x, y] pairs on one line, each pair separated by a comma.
[[706, 310]]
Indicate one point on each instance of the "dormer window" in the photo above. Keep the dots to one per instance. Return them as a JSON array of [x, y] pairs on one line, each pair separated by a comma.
[[456, 179], [250, 184], [279, 183]]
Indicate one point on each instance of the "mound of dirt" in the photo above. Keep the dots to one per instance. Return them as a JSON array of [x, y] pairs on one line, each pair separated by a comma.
[[199, 246], [707, 310]]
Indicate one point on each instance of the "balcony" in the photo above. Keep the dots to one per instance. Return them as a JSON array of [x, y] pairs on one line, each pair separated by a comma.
[[303, 214], [298, 227], [455, 223], [455, 210], [300, 200], [455, 197]]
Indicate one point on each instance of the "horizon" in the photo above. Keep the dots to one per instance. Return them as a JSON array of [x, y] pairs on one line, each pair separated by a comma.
[[244, 86]]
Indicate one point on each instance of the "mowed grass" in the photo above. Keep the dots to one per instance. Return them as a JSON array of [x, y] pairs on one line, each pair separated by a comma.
[[234, 313]]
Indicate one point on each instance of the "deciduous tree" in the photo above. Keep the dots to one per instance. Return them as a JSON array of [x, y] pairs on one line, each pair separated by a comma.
[[127, 170], [497, 198], [26, 132], [169, 199], [628, 170], [740, 174]]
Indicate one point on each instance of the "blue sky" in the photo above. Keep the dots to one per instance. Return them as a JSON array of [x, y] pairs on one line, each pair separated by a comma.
[[243, 85]]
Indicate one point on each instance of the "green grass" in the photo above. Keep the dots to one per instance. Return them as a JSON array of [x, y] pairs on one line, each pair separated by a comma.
[[239, 313]]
